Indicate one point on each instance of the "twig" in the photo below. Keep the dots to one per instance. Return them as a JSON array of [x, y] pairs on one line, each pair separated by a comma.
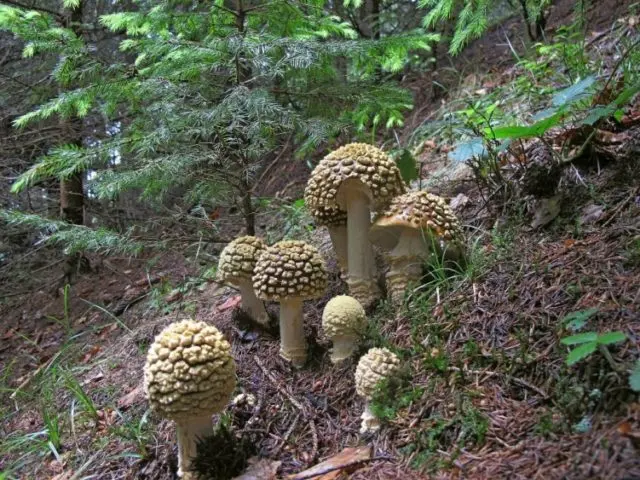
[[276, 384], [620, 207], [517, 380], [286, 435], [333, 468], [314, 435], [42, 367]]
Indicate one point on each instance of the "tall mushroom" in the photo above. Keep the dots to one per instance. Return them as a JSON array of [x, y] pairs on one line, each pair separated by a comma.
[[356, 178], [344, 322], [291, 272], [235, 268], [189, 376], [376, 365], [413, 226], [336, 222]]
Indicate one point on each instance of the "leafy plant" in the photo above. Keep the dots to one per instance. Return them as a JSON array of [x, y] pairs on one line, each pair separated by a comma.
[[81, 396], [575, 321], [584, 344]]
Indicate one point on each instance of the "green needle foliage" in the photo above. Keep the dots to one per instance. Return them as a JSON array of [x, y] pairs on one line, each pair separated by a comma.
[[209, 91]]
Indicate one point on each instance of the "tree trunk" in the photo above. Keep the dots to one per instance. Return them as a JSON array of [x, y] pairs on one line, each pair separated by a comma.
[[72, 199], [72, 188]]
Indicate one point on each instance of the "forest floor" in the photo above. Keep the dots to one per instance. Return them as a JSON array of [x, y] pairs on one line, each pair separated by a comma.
[[485, 390]]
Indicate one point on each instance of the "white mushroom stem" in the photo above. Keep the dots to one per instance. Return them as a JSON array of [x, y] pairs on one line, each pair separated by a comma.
[[338, 234], [251, 303], [343, 347], [405, 264], [360, 257], [370, 423], [293, 346], [189, 432]]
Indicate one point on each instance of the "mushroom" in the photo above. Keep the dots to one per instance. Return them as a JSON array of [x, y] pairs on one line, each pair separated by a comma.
[[336, 222], [377, 365], [235, 268], [290, 272], [189, 376], [344, 321], [356, 178], [413, 226]]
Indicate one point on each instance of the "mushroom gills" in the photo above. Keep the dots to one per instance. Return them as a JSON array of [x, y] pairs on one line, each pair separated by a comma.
[[251, 303], [189, 431], [293, 346], [353, 196]]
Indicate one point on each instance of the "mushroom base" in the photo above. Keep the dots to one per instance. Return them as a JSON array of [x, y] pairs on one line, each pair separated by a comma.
[[189, 432], [252, 304], [343, 347], [366, 292], [293, 346], [402, 272], [370, 423]]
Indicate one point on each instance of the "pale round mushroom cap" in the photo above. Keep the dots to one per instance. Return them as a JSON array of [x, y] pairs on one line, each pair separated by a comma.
[[189, 371], [343, 315], [290, 269], [238, 259], [361, 161], [416, 211], [329, 216], [376, 365]]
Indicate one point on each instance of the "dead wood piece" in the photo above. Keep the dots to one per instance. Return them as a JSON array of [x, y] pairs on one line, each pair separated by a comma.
[[347, 458]]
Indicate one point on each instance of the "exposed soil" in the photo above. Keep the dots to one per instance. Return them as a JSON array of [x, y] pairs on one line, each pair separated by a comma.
[[486, 351]]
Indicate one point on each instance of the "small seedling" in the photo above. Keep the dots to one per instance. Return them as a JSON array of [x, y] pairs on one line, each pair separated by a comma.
[[575, 321], [588, 342]]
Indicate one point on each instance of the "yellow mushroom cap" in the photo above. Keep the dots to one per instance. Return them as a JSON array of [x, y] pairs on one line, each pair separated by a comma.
[[343, 315], [361, 161], [290, 269], [376, 365], [189, 371], [329, 216], [415, 211], [238, 259]]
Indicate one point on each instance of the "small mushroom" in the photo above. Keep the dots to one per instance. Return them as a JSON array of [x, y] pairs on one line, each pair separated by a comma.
[[290, 272], [336, 222], [189, 376], [344, 322], [415, 225], [356, 178], [377, 365], [235, 268]]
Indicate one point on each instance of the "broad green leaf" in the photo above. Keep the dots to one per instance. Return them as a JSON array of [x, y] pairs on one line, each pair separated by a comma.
[[580, 338], [299, 203], [573, 93], [407, 165], [581, 352], [536, 130], [611, 337], [634, 377], [576, 320], [467, 150]]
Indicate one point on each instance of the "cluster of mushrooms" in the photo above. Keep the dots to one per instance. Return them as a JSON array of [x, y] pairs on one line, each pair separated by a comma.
[[190, 373]]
